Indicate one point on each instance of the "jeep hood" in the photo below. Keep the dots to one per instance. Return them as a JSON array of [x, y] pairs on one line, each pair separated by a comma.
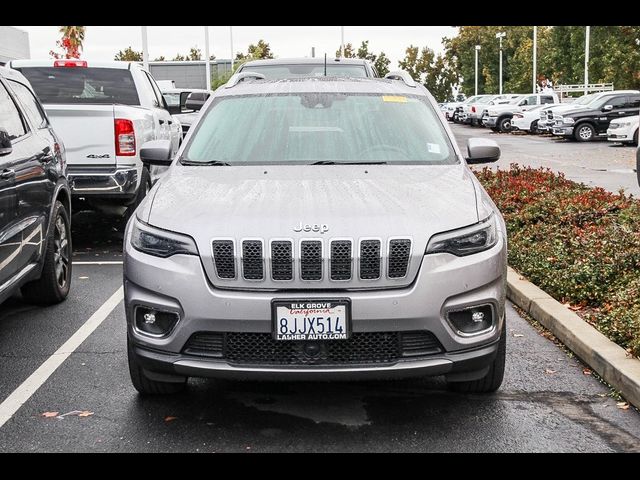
[[267, 202]]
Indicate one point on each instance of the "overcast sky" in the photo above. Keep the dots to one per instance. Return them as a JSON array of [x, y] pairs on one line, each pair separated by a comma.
[[102, 42]]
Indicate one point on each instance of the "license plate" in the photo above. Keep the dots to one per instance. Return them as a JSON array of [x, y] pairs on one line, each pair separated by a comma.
[[311, 319]]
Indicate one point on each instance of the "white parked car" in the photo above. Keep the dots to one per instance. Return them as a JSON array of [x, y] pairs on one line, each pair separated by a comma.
[[498, 117], [475, 111], [104, 112], [527, 120], [624, 130]]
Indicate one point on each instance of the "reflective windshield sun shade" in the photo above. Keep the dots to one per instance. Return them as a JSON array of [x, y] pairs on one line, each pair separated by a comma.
[[60, 85]]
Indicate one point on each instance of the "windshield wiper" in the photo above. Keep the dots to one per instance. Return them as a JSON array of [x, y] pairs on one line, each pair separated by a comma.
[[333, 162], [215, 163]]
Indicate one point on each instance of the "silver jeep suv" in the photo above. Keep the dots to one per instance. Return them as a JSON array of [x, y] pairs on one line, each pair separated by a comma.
[[317, 228]]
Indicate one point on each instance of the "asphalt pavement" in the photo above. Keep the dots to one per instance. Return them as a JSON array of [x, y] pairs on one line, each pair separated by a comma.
[[549, 401], [600, 163]]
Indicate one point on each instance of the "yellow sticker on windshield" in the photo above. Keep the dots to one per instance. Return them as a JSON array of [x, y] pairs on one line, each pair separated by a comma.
[[394, 98]]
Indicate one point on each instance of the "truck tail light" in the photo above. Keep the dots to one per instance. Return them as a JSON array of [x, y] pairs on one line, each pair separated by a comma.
[[473, 109], [125, 137], [70, 63]]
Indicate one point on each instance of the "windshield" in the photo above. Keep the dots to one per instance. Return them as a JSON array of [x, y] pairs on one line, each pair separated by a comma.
[[516, 100], [586, 99], [303, 128], [276, 72], [71, 85], [484, 99]]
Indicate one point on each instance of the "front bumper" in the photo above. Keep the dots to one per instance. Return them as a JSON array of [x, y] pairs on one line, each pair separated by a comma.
[[563, 131], [489, 121], [103, 181], [623, 134], [444, 282]]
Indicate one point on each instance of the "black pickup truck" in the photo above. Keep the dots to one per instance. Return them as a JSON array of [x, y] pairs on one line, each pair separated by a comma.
[[586, 124]]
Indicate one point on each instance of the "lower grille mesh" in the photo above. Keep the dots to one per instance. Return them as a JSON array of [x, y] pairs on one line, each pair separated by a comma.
[[360, 349]]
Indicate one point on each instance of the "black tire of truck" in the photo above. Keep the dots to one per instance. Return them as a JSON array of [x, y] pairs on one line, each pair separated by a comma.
[[143, 189]]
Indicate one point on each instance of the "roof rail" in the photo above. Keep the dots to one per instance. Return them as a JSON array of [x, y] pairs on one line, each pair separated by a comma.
[[238, 77], [401, 75]]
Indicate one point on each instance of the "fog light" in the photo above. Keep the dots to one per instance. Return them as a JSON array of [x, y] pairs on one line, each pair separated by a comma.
[[155, 323], [472, 320]]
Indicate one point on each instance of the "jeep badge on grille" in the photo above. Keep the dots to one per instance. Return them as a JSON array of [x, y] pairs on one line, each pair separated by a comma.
[[306, 227]]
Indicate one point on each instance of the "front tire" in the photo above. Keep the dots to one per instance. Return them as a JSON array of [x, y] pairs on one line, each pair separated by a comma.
[[55, 280], [143, 384], [504, 124], [635, 138], [493, 379], [584, 132]]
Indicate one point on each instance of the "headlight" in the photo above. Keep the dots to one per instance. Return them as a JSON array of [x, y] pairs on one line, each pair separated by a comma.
[[492, 113], [466, 241], [568, 120], [621, 124], [160, 243]]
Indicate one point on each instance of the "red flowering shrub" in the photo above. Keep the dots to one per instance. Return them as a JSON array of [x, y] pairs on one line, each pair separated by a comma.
[[580, 245]]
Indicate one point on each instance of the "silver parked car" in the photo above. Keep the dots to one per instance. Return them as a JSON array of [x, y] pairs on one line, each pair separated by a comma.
[[317, 228]]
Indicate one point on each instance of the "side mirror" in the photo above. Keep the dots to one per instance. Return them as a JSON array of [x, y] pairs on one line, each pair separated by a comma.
[[482, 150], [156, 152], [607, 108], [5, 142], [196, 100]]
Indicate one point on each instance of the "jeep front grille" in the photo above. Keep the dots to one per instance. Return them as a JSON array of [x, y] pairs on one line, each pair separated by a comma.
[[285, 260], [370, 259], [281, 260], [224, 259], [311, 260], [252, 264], [399, 250]]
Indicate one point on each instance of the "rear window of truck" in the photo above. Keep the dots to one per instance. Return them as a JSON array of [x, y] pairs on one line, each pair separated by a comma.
[[80, 85]]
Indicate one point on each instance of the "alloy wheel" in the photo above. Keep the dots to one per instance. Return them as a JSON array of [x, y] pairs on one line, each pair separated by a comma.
[[61, 252]]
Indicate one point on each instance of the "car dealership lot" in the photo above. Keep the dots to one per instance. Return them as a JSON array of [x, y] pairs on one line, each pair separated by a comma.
[[546, 403], [598, 163]]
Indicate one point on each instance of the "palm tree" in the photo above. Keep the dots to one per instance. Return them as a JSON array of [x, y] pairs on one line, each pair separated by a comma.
[[75, 36]]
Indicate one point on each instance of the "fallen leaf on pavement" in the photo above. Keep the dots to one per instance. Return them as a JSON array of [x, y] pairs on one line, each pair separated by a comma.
[[586, 371], [622, 405], [518, 335], [549, 371], [170, 419], [85, 413], [50, 414]]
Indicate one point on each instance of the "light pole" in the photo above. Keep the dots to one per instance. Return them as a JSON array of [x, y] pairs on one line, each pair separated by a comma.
[[478, 47], [207, 67], [231, 42], [500, 36], [586, 60], [145, 49], [341, 42], [535, 58]]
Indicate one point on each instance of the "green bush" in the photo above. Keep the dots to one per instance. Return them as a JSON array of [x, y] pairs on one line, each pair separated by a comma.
[[580, 245]]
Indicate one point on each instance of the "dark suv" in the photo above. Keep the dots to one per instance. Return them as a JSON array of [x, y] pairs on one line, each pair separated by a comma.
[[35, 226], [592, 120]]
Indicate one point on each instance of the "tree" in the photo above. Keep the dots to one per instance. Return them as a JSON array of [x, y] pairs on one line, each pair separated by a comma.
[[194, 54], [381, 62], [160, 59], [128, 55], [71, 42], [435, 73], [255, 52]]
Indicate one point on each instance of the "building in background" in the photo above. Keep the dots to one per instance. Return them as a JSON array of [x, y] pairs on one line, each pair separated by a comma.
[[188, 74], [14, 44]]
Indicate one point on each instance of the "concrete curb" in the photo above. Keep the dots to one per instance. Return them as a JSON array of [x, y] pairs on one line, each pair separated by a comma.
[[609, 360]]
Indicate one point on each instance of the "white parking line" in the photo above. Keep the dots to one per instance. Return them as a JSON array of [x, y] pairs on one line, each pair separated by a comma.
[[31, 385], [99, 263]]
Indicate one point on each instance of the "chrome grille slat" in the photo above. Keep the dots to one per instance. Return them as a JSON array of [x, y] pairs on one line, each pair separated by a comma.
[[311, 260], [252, 263], [399, 251], [281, 260], [341, 260], [224, 258], [370, 259]]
